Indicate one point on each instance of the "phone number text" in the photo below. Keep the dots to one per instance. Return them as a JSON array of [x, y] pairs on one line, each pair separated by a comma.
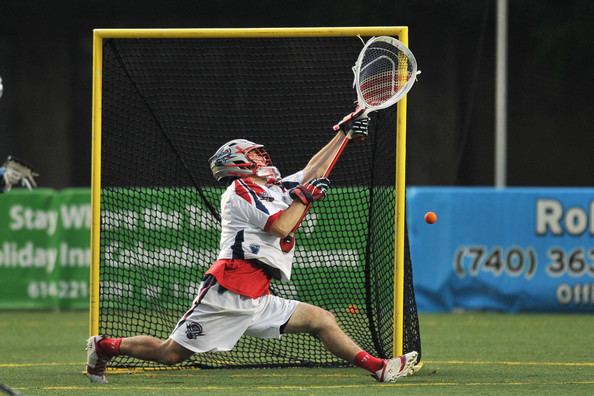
[[518, 261], [57, 289]]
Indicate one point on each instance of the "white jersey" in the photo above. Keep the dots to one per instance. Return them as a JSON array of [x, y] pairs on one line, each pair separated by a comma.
[[247, 212]]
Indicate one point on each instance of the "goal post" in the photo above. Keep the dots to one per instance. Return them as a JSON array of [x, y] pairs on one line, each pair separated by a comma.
[[163, 101]]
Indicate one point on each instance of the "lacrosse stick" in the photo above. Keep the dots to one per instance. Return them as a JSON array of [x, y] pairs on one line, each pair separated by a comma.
[[17, 171], [384, 72]]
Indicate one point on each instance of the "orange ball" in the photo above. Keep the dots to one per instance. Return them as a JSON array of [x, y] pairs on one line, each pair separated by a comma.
[[430, 217], [353, 309]]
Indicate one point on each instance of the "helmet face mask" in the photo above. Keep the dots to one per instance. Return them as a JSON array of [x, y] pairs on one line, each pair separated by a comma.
[[242, 158], [259, 157]]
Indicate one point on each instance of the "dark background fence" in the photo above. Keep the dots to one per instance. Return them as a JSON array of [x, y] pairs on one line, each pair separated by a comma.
[[46, 65]]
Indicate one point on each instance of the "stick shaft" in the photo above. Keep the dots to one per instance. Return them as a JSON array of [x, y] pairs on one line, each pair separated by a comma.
[[343, 145]]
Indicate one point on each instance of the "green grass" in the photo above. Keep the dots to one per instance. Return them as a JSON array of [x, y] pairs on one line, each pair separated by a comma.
[[477, 354]]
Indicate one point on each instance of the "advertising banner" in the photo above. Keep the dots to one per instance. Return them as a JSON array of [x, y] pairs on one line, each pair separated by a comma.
[[512, 250], [507, 250], [44, 249]]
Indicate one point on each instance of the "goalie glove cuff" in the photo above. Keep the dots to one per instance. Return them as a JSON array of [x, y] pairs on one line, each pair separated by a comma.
[[354, 125], [300, 194], [312, 191], [359, 129]]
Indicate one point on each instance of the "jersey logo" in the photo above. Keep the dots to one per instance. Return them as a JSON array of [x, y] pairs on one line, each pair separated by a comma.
[[254, 248], [194, 330], [265, 196]]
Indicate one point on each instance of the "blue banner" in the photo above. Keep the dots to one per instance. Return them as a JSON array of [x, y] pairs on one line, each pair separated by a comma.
[[510, 250]]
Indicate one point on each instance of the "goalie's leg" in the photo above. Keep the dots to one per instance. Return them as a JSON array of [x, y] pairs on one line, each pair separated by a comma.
[[101, 349], [322, 324]]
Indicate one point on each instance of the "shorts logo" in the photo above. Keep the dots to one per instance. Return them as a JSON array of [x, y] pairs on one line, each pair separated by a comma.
[[193, 330], [254, 248]]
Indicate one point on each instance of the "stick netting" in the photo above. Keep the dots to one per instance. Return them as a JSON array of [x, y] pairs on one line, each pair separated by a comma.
[[167, 105], [383, 74]]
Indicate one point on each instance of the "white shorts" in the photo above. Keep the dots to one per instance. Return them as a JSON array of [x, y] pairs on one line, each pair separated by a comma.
[[219, 317]]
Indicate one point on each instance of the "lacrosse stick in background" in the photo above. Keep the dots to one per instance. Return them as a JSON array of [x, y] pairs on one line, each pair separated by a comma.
[[384, 72], [15, 172]]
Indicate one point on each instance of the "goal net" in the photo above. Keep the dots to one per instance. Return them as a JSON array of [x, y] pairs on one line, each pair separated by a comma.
[[164, 101]]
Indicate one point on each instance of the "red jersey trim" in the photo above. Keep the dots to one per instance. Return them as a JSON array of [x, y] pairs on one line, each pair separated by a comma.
[[271, 220], [242, 191], [255, 187], [241, 277]]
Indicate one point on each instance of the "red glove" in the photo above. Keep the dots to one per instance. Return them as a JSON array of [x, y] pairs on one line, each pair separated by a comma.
[[311, 191]]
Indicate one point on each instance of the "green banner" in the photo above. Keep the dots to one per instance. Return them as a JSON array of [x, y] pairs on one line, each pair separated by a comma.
[[45, 249], [157, 244], [150, 237]]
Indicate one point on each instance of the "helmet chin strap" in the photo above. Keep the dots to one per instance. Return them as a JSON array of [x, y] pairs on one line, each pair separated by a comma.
[[270, 173]]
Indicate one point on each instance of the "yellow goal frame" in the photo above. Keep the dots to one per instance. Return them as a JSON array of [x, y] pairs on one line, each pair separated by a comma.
[[101, 34]]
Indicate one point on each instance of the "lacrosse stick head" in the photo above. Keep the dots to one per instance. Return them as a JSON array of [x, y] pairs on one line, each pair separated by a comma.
[[18, 171], [384, 72]]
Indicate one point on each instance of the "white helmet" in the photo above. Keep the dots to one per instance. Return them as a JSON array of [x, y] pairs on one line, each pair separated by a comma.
[[231, 161]]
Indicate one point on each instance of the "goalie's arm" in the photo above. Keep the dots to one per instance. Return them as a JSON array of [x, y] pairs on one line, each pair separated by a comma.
[[287, 219], [284, 222], [317, 165], [354, 126]]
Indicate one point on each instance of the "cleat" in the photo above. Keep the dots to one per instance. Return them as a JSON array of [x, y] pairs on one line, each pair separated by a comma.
[[96, 361], [397, 367]]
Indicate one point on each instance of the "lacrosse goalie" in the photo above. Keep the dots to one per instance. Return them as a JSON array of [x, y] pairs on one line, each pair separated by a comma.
[[259, 209]]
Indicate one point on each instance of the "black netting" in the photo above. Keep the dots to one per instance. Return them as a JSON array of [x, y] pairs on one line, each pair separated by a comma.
[[168, 104]]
